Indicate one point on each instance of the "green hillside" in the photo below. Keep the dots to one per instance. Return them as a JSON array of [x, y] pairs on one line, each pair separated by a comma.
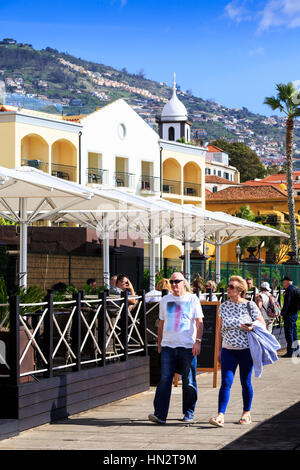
[[81, 86]]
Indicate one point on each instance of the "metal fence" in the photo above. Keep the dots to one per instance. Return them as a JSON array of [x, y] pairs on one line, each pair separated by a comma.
[[272, 273], [50, 338]]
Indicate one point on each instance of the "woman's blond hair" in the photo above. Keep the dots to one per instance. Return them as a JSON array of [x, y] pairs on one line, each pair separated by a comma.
[[163, 284], [243, 287], [213, 285]]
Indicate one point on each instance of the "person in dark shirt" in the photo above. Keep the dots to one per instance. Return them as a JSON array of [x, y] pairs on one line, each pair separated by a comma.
[[289, 313]]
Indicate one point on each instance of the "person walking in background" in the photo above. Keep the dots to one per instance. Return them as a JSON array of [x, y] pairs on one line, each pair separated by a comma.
[[250, 295], [289, 313], [262, 301], [236, 318], [180, 332]]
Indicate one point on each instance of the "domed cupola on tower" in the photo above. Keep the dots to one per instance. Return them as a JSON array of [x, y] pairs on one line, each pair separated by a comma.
[[173, 123]]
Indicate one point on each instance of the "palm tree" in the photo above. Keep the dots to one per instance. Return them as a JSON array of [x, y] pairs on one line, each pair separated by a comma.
[[287, 101]]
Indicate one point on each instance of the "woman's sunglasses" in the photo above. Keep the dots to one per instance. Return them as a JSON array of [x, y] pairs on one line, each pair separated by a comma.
[[176, 281], [230, 286]]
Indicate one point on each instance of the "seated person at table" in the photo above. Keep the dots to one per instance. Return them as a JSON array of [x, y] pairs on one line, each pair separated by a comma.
[[122, 284], [92, 282], [197, 284], [211, 285], [113, 281], [155, 295]]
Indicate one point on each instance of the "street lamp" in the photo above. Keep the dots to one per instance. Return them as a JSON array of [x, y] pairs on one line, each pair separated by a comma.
[[260, 246], [238, 252]]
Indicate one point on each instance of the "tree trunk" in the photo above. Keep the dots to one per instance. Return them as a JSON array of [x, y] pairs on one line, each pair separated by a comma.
[[290, 184]]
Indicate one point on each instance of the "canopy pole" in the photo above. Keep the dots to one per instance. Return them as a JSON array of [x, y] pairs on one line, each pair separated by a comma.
[[218, 258], [152, 264], [106, 273], [23, 243], [187, 261]]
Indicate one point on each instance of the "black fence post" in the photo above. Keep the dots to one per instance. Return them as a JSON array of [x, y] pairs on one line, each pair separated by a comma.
[[102, 327], [48, 323], [209, 291], [143, 322], [76, 336], [14, 339], [124, 326], [222, 290], [279, 295], [164, 292]]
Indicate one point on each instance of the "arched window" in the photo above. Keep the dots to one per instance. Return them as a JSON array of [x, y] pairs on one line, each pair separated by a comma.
[[171, 133]]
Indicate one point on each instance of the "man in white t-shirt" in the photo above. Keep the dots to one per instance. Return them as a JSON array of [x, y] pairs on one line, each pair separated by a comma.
[[180, 332]]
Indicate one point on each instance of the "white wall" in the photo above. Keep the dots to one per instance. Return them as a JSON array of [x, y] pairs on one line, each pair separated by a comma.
[[102, 133]]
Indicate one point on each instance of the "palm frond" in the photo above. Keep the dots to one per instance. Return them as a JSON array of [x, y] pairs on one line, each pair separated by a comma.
[[285, 91], [296, 112], [274, 103]]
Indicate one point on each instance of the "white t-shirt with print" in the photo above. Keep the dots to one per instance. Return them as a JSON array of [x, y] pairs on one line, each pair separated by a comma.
[[179, 314]]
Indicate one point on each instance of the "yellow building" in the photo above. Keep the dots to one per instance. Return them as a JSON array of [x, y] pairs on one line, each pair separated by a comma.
[[266, 200], [41, 140], [182, 167], [183, 182]]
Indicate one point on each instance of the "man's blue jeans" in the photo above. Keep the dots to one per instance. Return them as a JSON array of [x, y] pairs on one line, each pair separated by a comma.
[[179, 360], [290, 330]]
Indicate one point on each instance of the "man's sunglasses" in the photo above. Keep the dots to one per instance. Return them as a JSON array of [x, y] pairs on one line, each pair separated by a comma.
[[176, 281]]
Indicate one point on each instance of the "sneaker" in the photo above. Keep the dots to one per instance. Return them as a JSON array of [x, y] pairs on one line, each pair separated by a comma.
[[188, 419], [155, 419]]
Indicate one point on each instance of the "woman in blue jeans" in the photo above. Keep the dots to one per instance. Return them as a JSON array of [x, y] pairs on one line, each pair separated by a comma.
[[236, 318]]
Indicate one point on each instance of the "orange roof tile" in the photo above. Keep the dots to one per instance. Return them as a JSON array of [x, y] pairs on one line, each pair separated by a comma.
[[213, 148], [217, 179], [4, 109], [74, 118], [272, 179], [247, 193]]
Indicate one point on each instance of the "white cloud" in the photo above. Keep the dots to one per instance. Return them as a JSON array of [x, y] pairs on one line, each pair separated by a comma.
[[258, 51], [238, 11], [280, 13], [269, 13]]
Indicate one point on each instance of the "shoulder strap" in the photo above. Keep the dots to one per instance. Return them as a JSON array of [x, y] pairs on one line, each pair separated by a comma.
[[249, 310]]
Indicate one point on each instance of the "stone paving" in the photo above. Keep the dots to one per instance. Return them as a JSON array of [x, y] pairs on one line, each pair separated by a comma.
[[123, 425]]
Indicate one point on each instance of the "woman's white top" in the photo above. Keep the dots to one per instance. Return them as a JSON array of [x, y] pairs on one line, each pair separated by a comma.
[[233, 315]]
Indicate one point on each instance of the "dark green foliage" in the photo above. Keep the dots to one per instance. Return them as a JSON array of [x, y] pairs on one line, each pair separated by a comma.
[[243, 158]]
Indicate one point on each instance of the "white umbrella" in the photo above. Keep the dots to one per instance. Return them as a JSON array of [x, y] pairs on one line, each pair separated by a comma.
[[147, 218], [28, 195], [229, 228]]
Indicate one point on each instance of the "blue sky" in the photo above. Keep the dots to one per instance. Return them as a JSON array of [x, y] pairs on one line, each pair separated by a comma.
[[233, 51]]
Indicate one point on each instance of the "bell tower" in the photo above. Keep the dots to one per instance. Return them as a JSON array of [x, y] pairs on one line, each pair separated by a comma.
[[173, 123]]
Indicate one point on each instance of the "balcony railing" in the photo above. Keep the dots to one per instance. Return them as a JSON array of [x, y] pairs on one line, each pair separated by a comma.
[[192, 189], [35, 163], [171, 187], [150, 183], [65, 172], [123, 179], [97, 176]]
